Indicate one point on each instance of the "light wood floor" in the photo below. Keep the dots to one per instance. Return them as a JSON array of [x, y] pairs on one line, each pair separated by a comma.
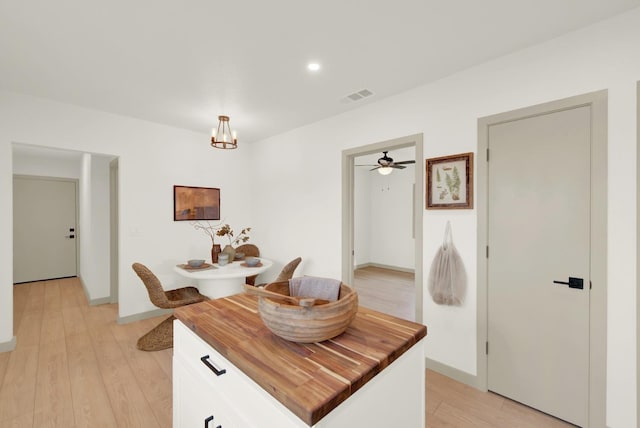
[[75, 367], [386, 290]]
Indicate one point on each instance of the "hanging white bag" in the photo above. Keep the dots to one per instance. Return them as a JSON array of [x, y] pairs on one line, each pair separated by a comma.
[[448, 278]]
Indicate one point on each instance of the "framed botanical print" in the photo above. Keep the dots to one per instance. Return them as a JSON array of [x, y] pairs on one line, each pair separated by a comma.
[[450, 182]]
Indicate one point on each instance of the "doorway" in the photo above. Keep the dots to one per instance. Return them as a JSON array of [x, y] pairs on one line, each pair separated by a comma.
[[349, 256], [92, 173], [542, 257]]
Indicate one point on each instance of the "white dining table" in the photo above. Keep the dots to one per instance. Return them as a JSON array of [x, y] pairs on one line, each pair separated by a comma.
[[221, 281]]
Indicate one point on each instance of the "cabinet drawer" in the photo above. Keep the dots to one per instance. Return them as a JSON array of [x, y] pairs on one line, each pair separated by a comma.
[[207, 364], [234, 387], [198, 404]]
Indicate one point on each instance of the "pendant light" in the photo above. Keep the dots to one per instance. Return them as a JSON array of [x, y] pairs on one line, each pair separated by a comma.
[[222, 137]]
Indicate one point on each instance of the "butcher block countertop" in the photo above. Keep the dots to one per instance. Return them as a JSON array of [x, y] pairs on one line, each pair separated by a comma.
[[309, 379]]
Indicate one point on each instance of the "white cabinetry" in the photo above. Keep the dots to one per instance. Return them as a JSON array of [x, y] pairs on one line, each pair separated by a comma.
[[212, 389]]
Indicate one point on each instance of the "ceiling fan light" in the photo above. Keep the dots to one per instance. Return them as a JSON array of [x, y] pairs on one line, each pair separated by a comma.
[[385, 170]]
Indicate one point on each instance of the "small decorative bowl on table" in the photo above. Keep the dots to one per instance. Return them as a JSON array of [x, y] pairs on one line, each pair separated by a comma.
[[195, 263], [252, 261], [308, 324]]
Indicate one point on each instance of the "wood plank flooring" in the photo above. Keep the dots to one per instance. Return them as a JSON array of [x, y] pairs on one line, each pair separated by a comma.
[[74, 367], [386, 290]]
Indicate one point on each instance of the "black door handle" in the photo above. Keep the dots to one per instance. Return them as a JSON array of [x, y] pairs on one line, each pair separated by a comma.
[[573, 283]]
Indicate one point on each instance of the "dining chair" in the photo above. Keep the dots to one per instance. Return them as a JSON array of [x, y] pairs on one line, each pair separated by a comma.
[[161, 336], [249, 250]]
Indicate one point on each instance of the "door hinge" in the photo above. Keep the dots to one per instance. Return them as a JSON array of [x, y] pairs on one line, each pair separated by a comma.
[[486, 348], [590, 285], [487, 251], [487, 155]]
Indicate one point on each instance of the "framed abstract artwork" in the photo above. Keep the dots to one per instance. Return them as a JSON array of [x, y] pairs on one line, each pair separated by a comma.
[[196, 203]]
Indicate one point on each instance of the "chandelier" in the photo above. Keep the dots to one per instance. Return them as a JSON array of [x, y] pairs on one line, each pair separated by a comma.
[[222, 137]]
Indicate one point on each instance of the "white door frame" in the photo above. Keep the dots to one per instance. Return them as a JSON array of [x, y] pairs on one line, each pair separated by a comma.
[[638, 252], [598, 264], [113, 229], [348, 169]]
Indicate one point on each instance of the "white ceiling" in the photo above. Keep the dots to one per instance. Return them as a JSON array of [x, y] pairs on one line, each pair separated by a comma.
[[183, 63]]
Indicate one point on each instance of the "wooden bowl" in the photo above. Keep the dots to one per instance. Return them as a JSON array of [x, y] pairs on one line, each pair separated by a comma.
[[308, 324]]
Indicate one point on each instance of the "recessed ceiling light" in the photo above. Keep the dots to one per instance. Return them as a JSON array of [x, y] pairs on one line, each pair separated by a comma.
[[313, 66]]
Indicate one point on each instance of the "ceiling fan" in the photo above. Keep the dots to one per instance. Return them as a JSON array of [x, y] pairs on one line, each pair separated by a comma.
[[386, 164]]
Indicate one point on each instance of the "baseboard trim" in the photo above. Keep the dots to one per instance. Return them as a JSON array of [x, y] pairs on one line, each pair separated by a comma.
[[143, 316], [100, 301], [381, 266], [94, 302], [453, 373], [8, 346]]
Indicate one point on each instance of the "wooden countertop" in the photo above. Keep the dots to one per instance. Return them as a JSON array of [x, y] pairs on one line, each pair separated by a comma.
[[309, 379]]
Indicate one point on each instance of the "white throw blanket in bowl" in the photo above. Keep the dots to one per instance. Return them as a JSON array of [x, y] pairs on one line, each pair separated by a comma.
[[316, 287]]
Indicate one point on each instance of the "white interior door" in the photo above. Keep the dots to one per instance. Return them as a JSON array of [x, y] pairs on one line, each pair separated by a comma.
[[44, 229], [538, 233]]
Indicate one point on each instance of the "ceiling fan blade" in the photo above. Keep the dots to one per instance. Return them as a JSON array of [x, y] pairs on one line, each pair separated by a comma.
[[373, 169], [407, 162], [396, 166], [365, 165]]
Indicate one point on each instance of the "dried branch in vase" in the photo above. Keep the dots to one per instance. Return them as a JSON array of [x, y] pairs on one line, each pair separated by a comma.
[[208, 228], [242, 237]]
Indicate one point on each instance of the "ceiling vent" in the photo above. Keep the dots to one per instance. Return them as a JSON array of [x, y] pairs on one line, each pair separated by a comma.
[[357, 96]]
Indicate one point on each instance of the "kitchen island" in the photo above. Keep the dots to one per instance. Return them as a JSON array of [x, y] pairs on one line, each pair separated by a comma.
[[231, 371]]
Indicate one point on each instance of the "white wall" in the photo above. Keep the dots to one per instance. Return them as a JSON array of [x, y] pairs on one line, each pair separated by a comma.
[[153, 158], [94, 227], [383, 213], [29, 162], [392, 243], [362, 216], [308, 206], [98, 282]]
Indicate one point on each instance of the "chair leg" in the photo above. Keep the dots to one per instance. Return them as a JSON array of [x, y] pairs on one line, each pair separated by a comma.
[[160, 337]]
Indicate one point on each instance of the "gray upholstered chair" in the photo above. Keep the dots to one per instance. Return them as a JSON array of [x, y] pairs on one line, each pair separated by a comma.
[[161, 336]]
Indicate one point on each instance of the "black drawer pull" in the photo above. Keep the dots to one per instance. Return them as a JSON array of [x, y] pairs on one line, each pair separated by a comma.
[[206, 362]]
